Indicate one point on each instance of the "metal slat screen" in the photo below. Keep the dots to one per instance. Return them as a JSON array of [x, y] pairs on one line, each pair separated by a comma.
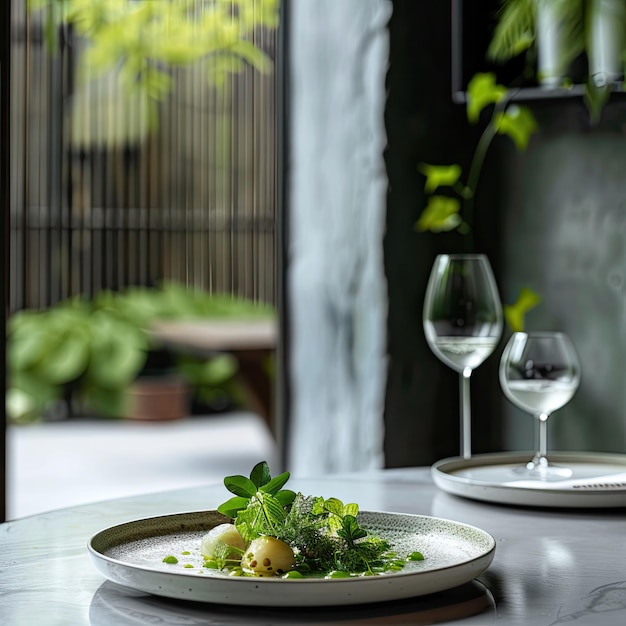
[[103, 198]]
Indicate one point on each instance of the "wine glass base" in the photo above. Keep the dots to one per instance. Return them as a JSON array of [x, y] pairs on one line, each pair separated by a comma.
[[542, 470]]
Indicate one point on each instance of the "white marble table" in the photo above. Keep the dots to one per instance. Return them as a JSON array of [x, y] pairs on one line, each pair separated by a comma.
[[550, 566]]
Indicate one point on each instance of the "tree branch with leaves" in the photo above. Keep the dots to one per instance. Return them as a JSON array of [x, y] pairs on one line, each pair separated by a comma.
[[142, 41]]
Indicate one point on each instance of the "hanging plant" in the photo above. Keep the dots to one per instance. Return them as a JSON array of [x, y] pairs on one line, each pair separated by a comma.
[[451, 196]]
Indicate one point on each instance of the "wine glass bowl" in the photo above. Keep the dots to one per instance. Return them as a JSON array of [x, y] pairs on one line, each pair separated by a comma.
[[462, 320], [540, 373]]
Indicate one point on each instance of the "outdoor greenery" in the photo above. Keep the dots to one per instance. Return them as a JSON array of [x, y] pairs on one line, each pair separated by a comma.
[[451, 195], [142, 41], [91, 351]]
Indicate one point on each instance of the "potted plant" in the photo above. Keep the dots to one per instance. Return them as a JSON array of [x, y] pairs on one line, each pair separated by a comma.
[[556, 32], [96, 357]]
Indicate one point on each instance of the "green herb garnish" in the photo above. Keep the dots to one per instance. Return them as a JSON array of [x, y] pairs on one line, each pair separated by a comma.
[[325, 534]]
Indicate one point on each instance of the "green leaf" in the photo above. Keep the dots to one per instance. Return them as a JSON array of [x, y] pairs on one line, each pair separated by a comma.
[[118, 350], [518, 123], [260, 474], [231, 507], [253, 55], [439, 175], [286, 497], [515, 30], [514, 314], [273, 511], [112, 402], [263, 515], [274, 485], [481, 92], [333, 505], [28, 397], [350, 529], [441, 214], [69, 360], [350, 509], [24, 350], [219, 369], [596, 96], [240, 486]]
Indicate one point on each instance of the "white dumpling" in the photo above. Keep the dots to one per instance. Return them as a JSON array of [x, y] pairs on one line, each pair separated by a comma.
[[268, 556], [224, 534]]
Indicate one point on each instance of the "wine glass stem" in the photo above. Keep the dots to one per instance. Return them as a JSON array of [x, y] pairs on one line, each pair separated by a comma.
[[466, 414], [542, 446]]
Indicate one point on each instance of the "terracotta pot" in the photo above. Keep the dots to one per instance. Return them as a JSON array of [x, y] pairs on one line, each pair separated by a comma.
[[158, 398]]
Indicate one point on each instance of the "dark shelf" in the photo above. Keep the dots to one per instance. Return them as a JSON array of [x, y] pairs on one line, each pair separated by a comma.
[[473, 22]]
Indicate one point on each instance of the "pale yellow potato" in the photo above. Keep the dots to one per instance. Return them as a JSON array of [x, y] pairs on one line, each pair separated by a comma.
[[268, 556], [224, 534]]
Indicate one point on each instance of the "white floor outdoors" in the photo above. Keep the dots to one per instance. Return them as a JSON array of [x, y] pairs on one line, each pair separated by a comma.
[[59, 464]]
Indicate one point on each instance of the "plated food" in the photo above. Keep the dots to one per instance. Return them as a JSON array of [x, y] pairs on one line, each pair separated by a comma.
[[277, 532], [197, 555]]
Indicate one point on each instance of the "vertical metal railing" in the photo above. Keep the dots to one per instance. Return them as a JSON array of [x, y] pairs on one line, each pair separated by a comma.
[[97, 203]]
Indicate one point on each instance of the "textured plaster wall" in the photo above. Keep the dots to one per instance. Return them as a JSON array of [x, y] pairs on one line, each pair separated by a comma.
[[336, 294], [564, 235]]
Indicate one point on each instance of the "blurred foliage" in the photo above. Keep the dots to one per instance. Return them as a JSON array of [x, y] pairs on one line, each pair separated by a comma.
[[450, 199], [515, 34], [142, 41], [514, 313], [452, 210], [94, 349]]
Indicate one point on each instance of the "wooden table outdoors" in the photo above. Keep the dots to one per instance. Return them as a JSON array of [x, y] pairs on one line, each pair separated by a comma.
[[252, 342]]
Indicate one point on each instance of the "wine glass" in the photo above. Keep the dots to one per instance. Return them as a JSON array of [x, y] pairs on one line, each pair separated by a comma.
[[540, 373], [462, 321]]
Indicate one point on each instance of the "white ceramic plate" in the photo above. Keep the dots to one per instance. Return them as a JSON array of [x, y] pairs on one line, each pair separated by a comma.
[[131, 554], [598, 480]]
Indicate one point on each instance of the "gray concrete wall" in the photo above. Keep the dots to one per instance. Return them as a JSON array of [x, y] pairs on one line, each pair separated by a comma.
[[564, 235]]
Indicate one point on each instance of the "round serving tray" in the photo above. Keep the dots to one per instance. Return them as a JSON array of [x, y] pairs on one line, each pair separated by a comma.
[[598, 480]]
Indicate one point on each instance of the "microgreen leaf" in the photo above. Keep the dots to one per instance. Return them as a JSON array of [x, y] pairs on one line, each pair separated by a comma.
[[263, 516], [260, 474], [240, 486], [231, 507], [286, 497], [334, 505], [324, 534], [350, 509], [350, 530], [274, 485]]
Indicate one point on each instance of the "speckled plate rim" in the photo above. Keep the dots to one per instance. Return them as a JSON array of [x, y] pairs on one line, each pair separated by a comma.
[[445, 476], [274, 592]]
